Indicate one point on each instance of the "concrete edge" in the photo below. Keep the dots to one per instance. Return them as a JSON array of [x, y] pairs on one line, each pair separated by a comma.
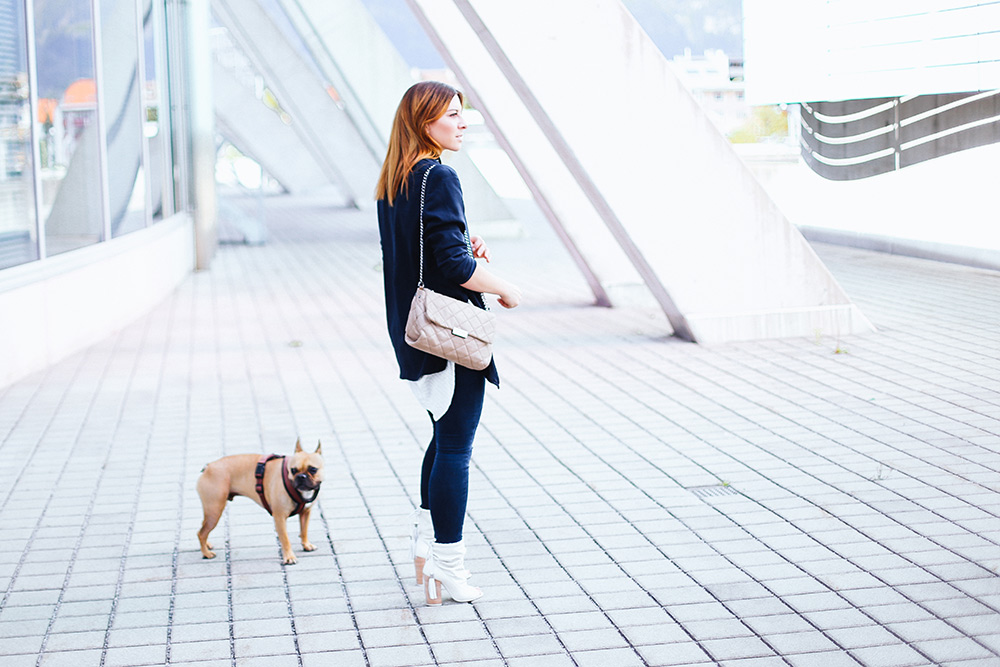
[[980, 258]]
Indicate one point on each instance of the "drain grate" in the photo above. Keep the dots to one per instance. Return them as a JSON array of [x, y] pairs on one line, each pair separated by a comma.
[[713, 490]]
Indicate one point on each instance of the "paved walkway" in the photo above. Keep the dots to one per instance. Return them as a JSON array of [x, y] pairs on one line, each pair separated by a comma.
[[636, 500]]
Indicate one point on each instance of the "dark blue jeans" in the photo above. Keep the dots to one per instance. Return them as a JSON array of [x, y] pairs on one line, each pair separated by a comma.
[[444, 476]]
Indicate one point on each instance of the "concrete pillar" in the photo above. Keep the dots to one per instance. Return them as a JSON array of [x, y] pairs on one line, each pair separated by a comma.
[[198, 96]]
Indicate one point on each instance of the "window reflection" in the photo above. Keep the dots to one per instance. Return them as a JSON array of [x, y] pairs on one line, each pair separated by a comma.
[[122, 114], [18, 242], [156, 125], [67, 124]]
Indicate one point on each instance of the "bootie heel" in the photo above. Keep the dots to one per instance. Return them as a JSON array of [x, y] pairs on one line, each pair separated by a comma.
[[433, 596], [447, 571], [420, 541]]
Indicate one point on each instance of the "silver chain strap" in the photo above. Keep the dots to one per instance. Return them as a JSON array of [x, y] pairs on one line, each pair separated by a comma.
[[468, 240], [423, 191]]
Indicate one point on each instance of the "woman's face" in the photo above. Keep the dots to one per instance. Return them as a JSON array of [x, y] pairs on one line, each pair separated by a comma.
[[447, 130]]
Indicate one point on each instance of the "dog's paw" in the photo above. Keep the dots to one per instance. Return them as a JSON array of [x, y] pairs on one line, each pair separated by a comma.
[[207, 554], [309, 546], [289, 559]]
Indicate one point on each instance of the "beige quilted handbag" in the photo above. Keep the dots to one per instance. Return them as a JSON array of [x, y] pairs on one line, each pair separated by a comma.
[[446, 327]]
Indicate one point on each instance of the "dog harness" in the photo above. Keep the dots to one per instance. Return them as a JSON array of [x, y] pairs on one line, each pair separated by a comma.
[[293, 493]]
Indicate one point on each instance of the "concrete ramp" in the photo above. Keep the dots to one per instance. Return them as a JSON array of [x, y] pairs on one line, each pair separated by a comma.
[[615, 148], [370, 77], [323, 128], [257, 131]]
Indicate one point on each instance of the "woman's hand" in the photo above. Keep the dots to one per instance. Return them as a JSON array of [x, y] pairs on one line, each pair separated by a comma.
[[482, 280], [479, 249], [511, 296]]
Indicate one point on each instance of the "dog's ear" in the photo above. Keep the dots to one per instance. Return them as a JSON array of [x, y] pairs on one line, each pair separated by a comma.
[[298, 445], [319, 447]]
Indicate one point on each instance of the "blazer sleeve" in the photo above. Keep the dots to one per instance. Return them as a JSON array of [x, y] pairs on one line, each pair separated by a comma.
[[444, 226]]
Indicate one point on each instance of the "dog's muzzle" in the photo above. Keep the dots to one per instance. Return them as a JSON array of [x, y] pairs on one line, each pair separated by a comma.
[[303, 483]]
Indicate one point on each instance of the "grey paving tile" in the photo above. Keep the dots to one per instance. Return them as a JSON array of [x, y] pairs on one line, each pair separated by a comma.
[[579, 621], [476, 651], [891, 613], [738, 647], [554, 659], [611, 656], [255, 647], [70, 658], [771, 661], [841, 618], [268, 660], [218, 649], [890, 656], [825, 659], [717, 629], [985, 662], [812, 641], [525, 645], [517, 627], [592, 640], [683, 653], [941, 650], [399, 656]]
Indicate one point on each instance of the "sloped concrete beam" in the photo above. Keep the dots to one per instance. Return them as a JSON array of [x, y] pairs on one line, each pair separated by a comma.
[[583, 81], [257, 131], [326, 131], [370, 76]]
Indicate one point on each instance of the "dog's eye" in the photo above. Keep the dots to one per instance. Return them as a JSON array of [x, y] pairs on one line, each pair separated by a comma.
[[295, 471], [313, 470]]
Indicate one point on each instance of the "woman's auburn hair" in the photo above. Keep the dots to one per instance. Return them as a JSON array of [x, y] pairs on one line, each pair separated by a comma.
[[409, 142]]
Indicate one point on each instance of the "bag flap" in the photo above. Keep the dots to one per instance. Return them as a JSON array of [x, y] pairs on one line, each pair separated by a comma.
[[460, 317]]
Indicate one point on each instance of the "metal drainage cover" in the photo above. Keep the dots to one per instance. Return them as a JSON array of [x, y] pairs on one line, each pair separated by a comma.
[[713, 490]]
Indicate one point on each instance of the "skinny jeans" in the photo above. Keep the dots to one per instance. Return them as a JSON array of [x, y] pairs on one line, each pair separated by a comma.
[[444, 475]]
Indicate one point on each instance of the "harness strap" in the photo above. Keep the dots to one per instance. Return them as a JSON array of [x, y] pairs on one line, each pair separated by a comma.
[[259, 476], [292, 492]]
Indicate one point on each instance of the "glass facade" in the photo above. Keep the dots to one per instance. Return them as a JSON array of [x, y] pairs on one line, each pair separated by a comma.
[[85, 148], [18, 233]]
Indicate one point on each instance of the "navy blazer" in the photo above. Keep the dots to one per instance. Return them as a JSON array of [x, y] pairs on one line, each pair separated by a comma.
[[447, 262]]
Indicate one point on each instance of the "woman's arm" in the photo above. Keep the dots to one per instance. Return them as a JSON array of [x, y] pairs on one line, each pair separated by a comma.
[[483, 280]]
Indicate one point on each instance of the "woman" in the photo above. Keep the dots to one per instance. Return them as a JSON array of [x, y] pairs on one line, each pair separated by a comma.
[[428, 122]]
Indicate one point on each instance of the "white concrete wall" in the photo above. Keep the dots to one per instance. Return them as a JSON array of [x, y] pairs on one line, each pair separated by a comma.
[[53, 308], [943, 208], [808, 50]]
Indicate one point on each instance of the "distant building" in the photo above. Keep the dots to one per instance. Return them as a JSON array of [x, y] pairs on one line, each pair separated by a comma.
[[717, 84]]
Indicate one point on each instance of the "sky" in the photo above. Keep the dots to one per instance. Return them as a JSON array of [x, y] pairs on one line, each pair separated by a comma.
[[672, 24]]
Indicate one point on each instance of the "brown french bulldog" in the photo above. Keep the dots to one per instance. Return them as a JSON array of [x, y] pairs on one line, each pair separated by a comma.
[[283, 479]]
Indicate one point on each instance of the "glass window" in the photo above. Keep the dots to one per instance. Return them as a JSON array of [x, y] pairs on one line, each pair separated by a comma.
[[70, 165], [156, 122], [18, 232], [122, 99]]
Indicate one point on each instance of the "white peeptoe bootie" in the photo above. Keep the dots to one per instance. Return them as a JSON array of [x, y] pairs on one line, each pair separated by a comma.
[[446, 569]]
